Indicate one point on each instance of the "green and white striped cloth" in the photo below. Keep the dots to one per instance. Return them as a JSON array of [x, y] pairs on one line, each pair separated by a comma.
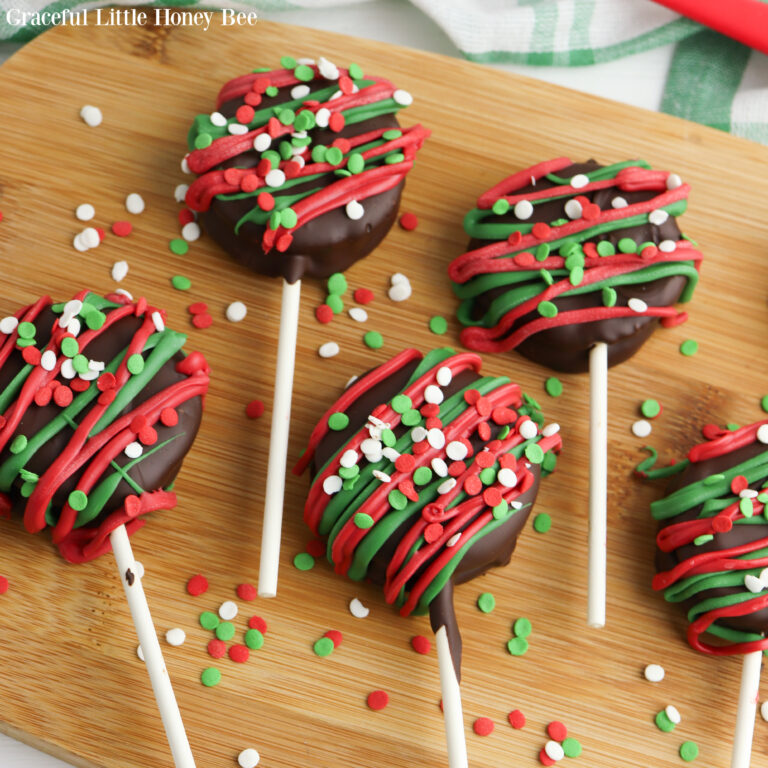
[[712, 79]]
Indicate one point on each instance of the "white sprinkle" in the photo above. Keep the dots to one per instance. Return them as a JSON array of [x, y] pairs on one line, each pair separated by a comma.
[[579, 180], [79, 244], [402, 97], [390, 453], [218, 119], [433, 394], [753, 584], [654, 673], [667, 246], [641, 428], [762, 433], [673, 714], [67, 369], [524, 209], [119, 270], [262, 142], [369, 445], [619, 202], [528, 429], [327, 69], [439, 467], [91, 115], [358, 314], [335, 95], [349, 458], [299, 91], [573, 209], [674, 181], [125, 293], [138, 569], [444, 376], [658, 217], [228, 610], [383, 476], [179, 194], [550, 429], [456, 451], [190, 231], [8, 325], [236, 312], [418, 434], [378, 422], [175, 636], [332, 484], [764, 576], [134, 203], [248, 758], [516, 504], [85, 212], [96, 365], [71, 308], [374, 457], [185, 164], [357, 609], [764, 710], [436, 438], [748, 493], [275, 178], [89, 376], [447, 486], [299, 160], [329, 349], [398, 277], [554, 750], [307, 61], [134, 450], [157, 319], [140, 652], [355, 210], [237, 129], [637, 305], [352, 380], [454, 540], [507, 477], [48, 360], [73, 326], [90, 237], [322, 117], [400, 291]]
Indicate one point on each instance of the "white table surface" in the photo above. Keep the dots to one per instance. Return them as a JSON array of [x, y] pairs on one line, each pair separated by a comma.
[[396, 21]]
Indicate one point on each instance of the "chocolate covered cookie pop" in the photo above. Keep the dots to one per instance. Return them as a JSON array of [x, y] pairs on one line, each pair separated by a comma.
[[423, 475], [300, 174], [574, 265], [98, 407]]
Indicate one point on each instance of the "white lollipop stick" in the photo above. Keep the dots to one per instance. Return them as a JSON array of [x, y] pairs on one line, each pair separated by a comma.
[[598, 482], [452, 712], [278, 440], [153, 655], [745, 717]]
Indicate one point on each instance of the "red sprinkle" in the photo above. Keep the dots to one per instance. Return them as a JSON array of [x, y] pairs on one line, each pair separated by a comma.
[[544, 758], [244, 114], [78, 385], [198, 308], [265, 201], [101, 232], [456, 468], [363, 295], [197, 585], [169, 417], [239, 653], [62, 396], [256, 622], [722, 523], [409, 221], [557, 731], [336, 122], [433, 532], [3, 585], [202, 321], [334, 635], [405, 462], [421, 644], [378, 699], [515, 238], [246, 591], [492, 497], [739, 484], [217, 648], [106, 381], [31, 355], [316, 548], [473, 485], [517, 719], [122, 228], [324, 314], [471, 396], [483, 726], [540, 230], [186, 216], [484, 459], [254, 409], [43, 395]]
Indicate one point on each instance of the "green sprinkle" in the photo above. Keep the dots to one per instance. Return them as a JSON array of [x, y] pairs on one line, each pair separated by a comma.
[[19, 444], [605, 248], [501, 510], [713, 479], [209, 620], [422, 476], [689, 347], [337, 283], [501, 206], [286, 150], [347, 473], [391, 134], [534, 453], [304, 73], [323, 646], [554, 386], [304, 561], [178, 246], [333, 155], [609, 296], [397, 499], [26, 330], [69, 346], [287, 62], [356, 163], [488, 476], [547, 309], [732, 426], [550, 461], [546, 276], [627, 245], [571, 747], [663, 723], [411, 418], [271, 91], [335, 302], [203, 140], [338, 421], [27, 489], [401, 403], [388, 438], [210, 677], [286, 116], [288, 218], [21, 343], [355, 71], [650, 409], [576, 276], [764, 403], [318, 153], [254, 639], [689, 751], [181, 283], [522, 627], [746, 508], [438, 325], [395, 157], [505, 430], [304, 121], [703, 539], [363, 520], [542, 252], [374, 340], [225, 631], [135, 364], [517, 646], [272, 156], [486, 602], [77, 500], [542, 522], [80, 363]]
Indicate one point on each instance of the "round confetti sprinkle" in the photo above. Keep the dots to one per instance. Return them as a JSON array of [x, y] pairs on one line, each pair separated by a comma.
[[641, 428], [689, 347], [517, 719], [571, 747], [256, 622], [210, 677], [217, 649], [522, 627], [324, 314], [239, 654], [438, 325], [335, 636], [248, 758], [374, 340], [377, 700], [663, 723], [228, 610], [203, 320], [178, 246], [650, 409], [134, 203], [421, 644], [121, 229], [85, 212], [689, 751], [334, 303], [486, 602], [654, 673], [323, 647], [246, 591], [338, 421], [236, 312], [91, 116], [337, 284], [175, 636], [554, 751], [197, 585], [254, 409], [77, 499], [544, 758], [225, 631], [3, 585], [363, 296], [329, 349], [554, 386], [357, 609], [483, 726], [140, 652], [409, 221], [763, 402], [557, 730], [517, 646], [304, 561], [542, 522], [181, 283], [254, 639], [135, 364]]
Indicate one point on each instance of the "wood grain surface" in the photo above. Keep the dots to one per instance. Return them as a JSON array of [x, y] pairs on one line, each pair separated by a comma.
[[71, 683]]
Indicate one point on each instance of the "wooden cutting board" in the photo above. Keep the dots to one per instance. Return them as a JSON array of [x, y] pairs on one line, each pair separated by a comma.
[[71, 683]]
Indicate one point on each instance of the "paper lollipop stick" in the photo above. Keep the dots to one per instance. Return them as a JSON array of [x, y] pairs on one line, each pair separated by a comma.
[[452, 710], [150, 646], [745, 716], [278, 440]]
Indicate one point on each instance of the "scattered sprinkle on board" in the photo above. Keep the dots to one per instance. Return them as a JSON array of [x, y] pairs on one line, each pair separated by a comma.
[[486, 602], [553, 386], [650, 408], [377, 700], [542, 522], [304, 561], [689, 347], [210, 676], [438, 325], [181, 283]]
